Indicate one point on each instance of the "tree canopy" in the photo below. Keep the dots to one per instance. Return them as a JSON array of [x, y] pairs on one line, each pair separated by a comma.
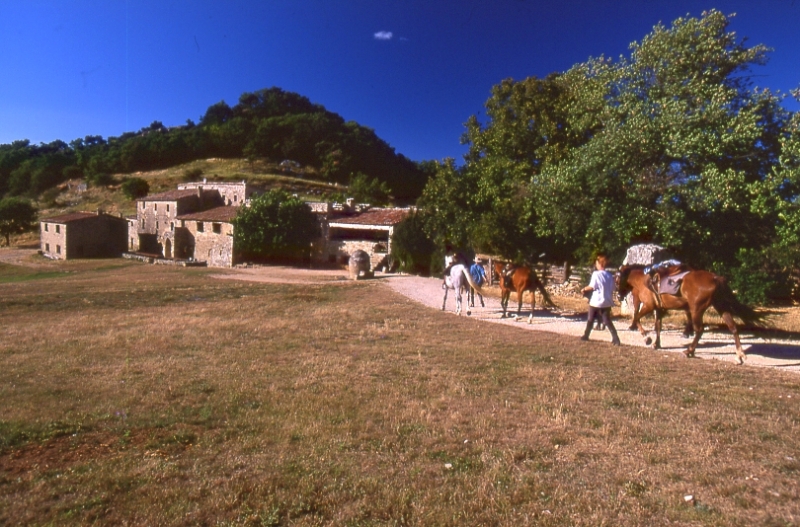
[[275, 226], [671, 144], [16, 216]]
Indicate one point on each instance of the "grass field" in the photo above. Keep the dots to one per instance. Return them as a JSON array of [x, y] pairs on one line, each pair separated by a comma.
[[147, 395]]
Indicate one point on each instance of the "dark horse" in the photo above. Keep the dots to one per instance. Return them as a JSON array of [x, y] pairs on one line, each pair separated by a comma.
[[519, 279], [699, 291]]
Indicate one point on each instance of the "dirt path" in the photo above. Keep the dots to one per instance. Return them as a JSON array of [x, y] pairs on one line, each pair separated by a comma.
[[715, 345]]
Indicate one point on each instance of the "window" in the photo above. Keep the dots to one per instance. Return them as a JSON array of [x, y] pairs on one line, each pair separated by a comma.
[[167, 207], [143, 205], [156, 224], [155, 207], [58, 249], [46, 227], [58, 229], [47, 247], [199, 226], [235, 198], [216, 227], [172, 226]]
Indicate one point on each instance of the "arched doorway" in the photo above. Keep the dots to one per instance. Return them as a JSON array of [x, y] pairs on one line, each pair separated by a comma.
[[167, 248]]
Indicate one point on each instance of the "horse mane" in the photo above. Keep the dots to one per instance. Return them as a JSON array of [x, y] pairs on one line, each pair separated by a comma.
[[625, 270]]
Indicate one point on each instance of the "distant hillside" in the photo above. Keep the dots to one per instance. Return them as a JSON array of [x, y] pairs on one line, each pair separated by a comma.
[[76, 195], [270, 124]]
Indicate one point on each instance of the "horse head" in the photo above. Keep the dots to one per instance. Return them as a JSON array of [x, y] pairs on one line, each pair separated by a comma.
[[621, 281]]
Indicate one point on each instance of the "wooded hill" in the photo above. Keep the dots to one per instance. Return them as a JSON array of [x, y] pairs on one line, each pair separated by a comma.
[[269, 124]]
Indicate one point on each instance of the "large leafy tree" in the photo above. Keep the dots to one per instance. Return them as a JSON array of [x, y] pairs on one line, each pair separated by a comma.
[[412, 249], [668, 144], [275, 226], [17, 216]]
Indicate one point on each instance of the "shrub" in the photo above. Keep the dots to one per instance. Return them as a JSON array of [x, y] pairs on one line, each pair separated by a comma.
[[135, 187]]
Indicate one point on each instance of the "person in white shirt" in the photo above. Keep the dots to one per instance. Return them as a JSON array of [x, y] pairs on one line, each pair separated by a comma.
[[602, 288]]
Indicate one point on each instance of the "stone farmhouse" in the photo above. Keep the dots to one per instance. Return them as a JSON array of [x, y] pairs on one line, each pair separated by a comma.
[[349, 227], [82, 235], [194, 223], [157, 230]]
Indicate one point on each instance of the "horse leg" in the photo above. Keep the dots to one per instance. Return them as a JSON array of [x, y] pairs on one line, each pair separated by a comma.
[[740, 354], [637, 322], [697, 322], [688, 330], [533, 306], [503, 303], [444, 300], [635, 300], [659, 314], [519, 303]]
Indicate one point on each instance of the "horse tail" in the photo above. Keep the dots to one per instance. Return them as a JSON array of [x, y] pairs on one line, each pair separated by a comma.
[[470, 281], [725, 301], [545, 295]]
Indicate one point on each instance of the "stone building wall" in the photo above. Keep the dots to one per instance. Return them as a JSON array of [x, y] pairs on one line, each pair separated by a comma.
[[342, 249], [133, 235], [212, 243], [85, 236], [234, 194], [53, 240], [158, 217]]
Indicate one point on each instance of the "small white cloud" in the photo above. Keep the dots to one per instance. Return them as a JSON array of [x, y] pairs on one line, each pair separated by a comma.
[[383, 35]]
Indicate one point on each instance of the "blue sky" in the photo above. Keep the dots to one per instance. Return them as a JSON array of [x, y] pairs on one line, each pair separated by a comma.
[[412, 70]]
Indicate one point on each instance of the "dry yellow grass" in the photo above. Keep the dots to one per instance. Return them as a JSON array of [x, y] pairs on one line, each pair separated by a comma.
[[136, 394]]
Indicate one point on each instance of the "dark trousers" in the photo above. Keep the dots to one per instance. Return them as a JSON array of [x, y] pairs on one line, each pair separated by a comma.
[[604, 313]]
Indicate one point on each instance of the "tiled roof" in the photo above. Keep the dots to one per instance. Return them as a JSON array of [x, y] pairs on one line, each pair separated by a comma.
[[223, 214], [381, 217], [72, 216], [174, 195]]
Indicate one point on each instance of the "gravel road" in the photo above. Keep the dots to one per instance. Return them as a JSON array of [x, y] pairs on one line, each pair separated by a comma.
[[715, 345]]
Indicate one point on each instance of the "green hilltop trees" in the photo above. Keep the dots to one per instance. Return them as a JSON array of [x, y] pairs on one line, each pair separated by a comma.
[[270, 123], [671, 144]]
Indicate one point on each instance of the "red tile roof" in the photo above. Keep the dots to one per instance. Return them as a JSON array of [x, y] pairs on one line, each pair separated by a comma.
[[71, 216], [381, 217], [222, 214]]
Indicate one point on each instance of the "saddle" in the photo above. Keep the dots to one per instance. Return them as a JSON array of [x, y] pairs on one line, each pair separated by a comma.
[[507, 273], [666, 278]]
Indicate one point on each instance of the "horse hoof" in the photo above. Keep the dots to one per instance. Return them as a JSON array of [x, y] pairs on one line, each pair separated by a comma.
[[648, 341]]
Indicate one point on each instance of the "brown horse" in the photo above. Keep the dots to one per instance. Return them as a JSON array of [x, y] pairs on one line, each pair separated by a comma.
[[699, 291], [519, 279]]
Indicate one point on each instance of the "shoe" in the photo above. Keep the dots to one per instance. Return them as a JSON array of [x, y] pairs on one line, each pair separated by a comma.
[[584, 338]]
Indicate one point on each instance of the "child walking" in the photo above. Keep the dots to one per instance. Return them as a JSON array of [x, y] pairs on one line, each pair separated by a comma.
[[602, 288]]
